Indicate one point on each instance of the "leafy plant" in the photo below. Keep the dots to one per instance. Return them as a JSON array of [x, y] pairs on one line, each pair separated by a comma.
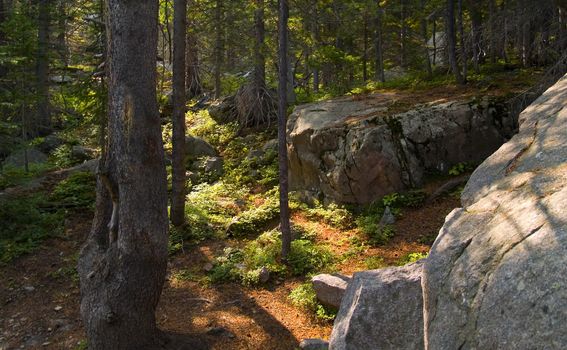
[[460, 168], [246, 264], [304, 297], [411, 258]]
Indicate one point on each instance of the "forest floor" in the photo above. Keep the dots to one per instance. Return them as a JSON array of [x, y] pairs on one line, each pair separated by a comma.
[[40, 297]]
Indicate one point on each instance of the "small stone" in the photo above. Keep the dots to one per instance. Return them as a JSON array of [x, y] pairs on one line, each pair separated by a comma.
[[46, 343], [314, 344], [264, 275], [58, 308], [29, 288], [208, 267], [388, 218]]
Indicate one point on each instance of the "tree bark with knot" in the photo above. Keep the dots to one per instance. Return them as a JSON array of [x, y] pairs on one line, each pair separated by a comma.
[[122, 266]]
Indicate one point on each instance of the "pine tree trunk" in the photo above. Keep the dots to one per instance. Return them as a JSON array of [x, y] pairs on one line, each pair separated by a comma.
[[122, 266], [451, 41], [425, 39], [463, 48], [365, 50], [476, 23], [259, 59], [379, 73], [42, 69], [282, 129], [177, 214], [218, 48], [193, 77]]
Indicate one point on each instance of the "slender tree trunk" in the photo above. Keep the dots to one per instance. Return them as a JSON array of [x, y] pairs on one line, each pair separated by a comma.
[[403, 33], [476, 24], [259, 59], [62, 35], [451, 41], [492, 22], [193, 77], [425, 39], [365, 50], [463, 48], [282, 128], [122, 266], [42, 68], [218, 48], [317, 40], [379, 73], [434, 41], [178, 136]]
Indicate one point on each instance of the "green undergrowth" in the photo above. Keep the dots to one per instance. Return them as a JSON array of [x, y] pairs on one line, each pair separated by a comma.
[[16, 176], [245, 264], [77, 192], [26, 222], [305, 298], [368, 221]]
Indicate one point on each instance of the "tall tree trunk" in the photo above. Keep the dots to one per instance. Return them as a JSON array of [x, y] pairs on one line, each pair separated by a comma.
[[403, 33], [463, 48], [434, 37], [42, 68], [425, 39], [193, 77], [316, 40], [476, 27], [259, 59], [122, 266], [62, 35], [379, 73], [177, 214], [282, 129], [365, 50], [218, 48], [492, 23], [451, 41]]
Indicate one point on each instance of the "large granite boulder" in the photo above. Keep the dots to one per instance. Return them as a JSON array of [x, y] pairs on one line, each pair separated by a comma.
[[495, 276], [382, 309], [355, 151]]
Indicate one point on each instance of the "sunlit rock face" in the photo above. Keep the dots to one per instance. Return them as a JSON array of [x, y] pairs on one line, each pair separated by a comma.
[[356, 150], [495, 276]]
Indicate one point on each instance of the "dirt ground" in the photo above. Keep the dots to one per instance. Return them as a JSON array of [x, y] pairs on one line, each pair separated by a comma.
[[39, 294]]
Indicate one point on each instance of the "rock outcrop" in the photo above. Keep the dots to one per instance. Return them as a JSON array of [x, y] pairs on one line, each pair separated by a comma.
[[382, 309], [495, 276], [354, 151]]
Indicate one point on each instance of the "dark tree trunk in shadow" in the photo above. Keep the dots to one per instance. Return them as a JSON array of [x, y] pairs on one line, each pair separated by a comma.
[[379, 73], [42, 68], [193, 77], [282, 121], [451, 41], [123, 264], [177, 213], [218, 48]]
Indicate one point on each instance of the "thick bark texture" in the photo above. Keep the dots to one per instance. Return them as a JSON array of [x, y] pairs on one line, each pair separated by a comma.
[[282, 121], [451, 41], [178, 136], [42, 68], [123, 264]]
